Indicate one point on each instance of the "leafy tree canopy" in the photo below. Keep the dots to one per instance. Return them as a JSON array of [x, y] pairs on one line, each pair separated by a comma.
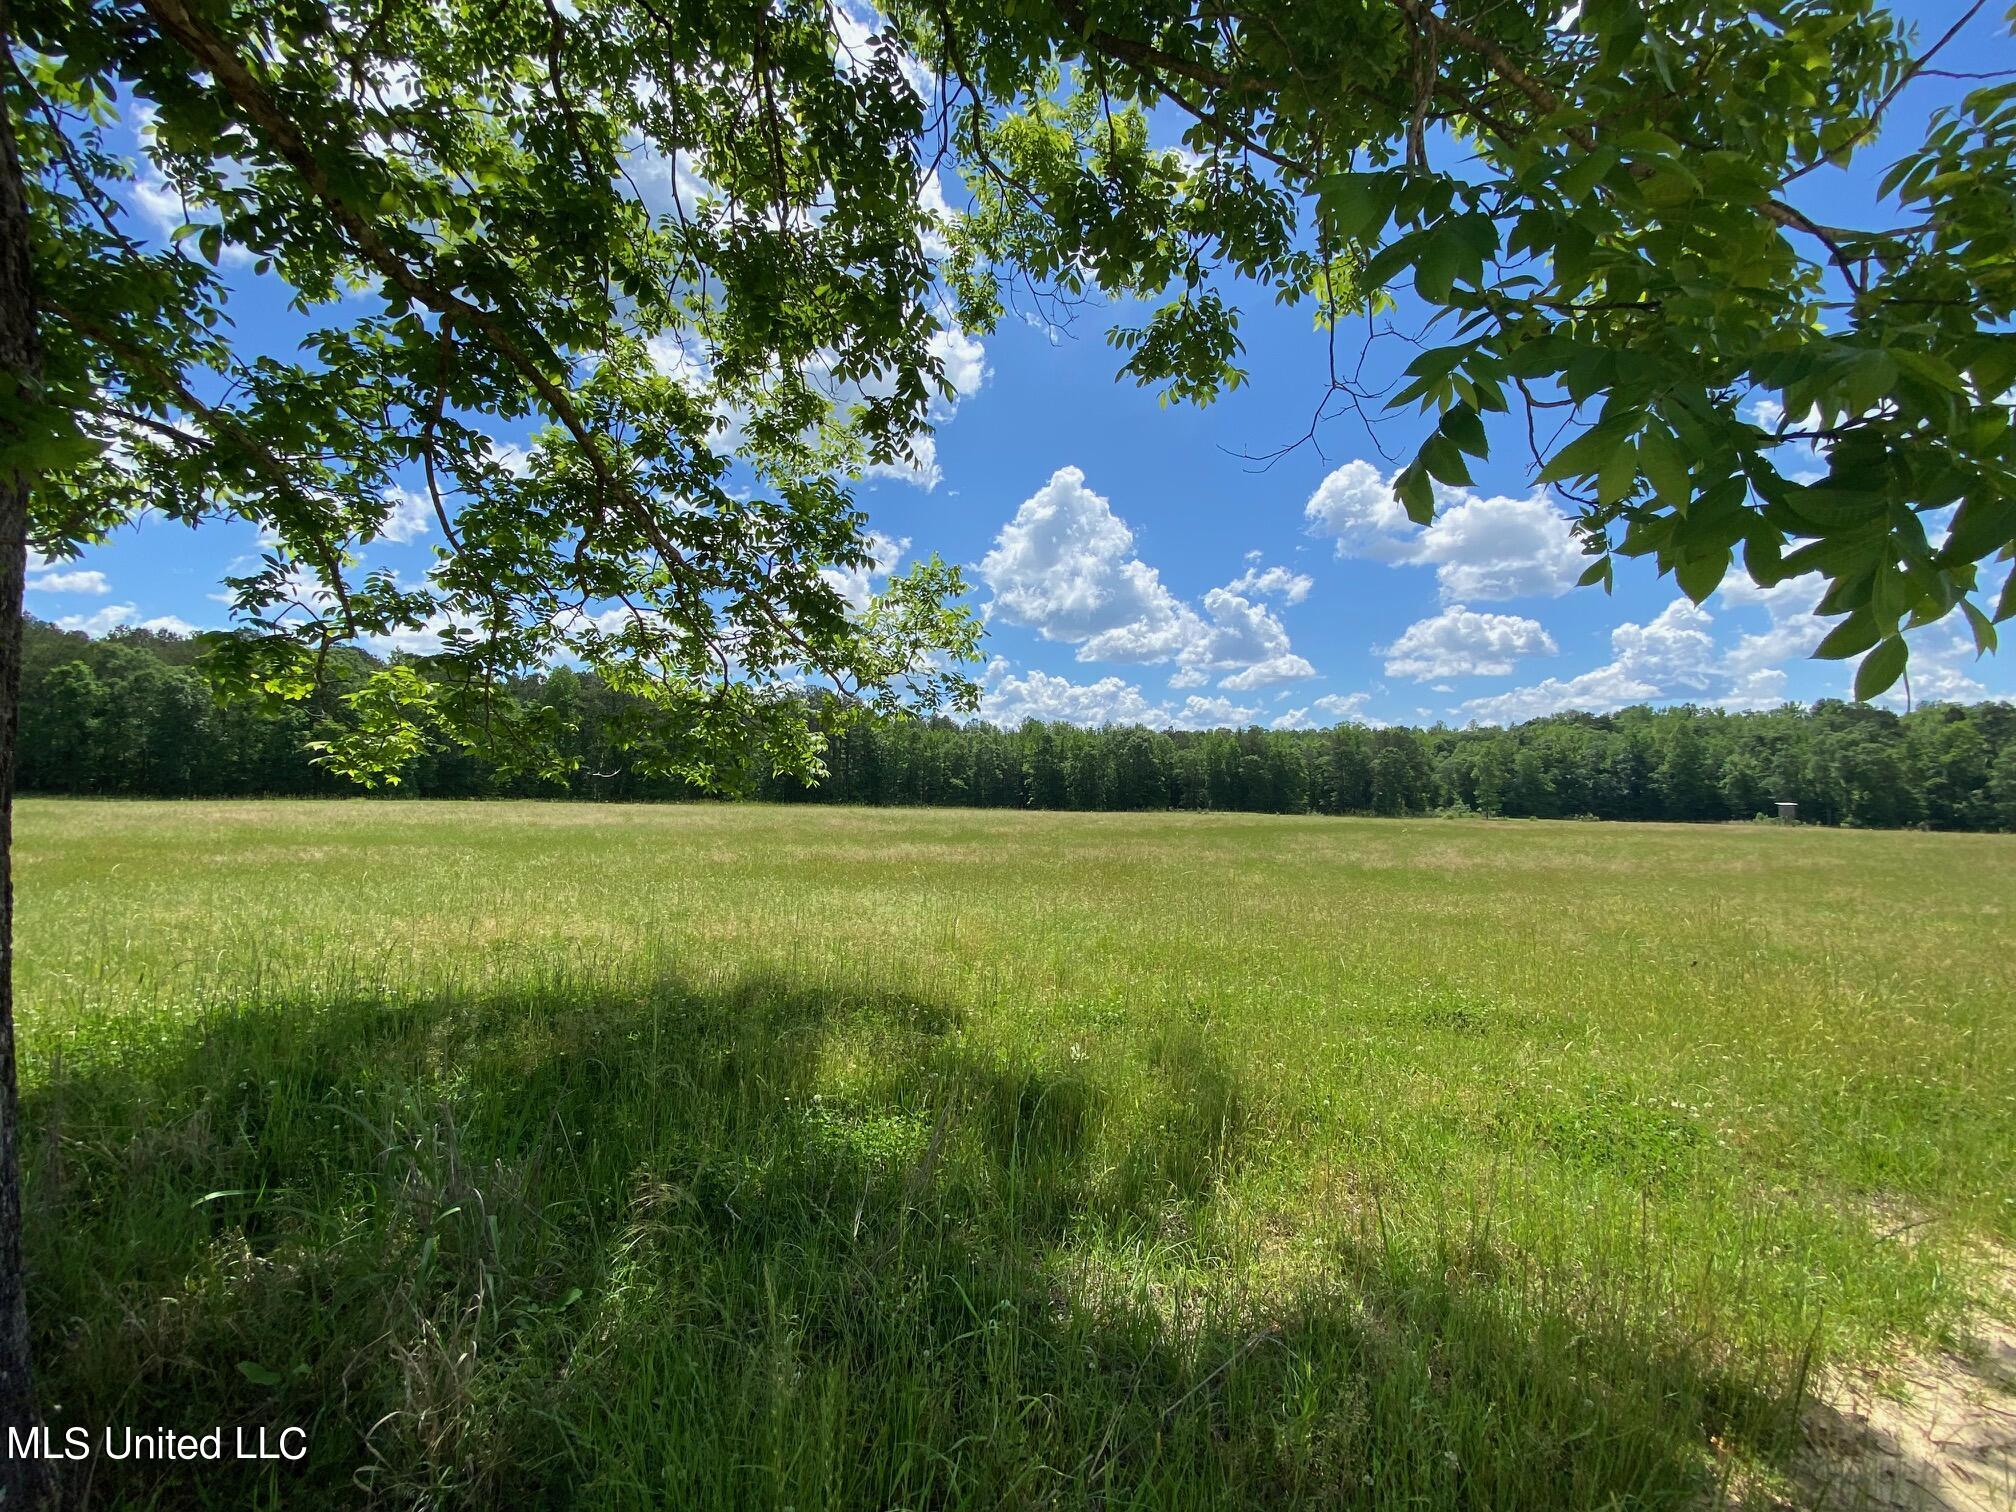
[[466, 168], [1599, 209]]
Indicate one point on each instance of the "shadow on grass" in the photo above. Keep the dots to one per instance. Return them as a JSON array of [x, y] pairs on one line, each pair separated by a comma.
[[778, 1244]]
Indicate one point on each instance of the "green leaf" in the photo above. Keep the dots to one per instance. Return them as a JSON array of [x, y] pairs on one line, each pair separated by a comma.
[[1597, 571], [1983, 628], [1618, 474], [1358, 204], [1444, 462], [1391, 258], [1441, 259], [1645, 142], [1585, 173], [1930, 369], [1415, 493], [1586, 454], [1851, 637], [1870, 376], [1984, 522], [1881, 667], [1437, 362], [1462, 426], [1699, 576], [1660, 459], [258, 1374], [1477, 234]]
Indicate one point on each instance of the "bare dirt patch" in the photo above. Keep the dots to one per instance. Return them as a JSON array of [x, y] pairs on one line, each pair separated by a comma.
[[1935, 1433]]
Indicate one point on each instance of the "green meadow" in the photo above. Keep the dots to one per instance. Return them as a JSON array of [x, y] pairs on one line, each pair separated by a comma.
[[546, 1154]]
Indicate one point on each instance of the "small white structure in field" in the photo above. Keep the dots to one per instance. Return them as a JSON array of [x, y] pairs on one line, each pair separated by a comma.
[[1787, 812]]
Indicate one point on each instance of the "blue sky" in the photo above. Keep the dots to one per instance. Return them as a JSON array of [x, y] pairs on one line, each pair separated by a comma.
[[1134, 565]]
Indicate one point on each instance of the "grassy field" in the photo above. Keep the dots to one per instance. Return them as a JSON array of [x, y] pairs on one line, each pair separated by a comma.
[[705, 1156]]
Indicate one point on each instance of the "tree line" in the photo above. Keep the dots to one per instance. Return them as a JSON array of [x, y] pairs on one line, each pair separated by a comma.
[[131, 715]]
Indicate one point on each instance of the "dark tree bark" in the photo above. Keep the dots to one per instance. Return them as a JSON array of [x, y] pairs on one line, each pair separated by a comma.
[[23, 1482]]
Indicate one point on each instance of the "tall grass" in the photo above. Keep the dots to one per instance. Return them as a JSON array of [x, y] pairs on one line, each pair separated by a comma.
[[544, 1154]]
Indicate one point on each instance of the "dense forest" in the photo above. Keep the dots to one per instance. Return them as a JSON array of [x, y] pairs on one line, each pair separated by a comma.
[[130, 715]]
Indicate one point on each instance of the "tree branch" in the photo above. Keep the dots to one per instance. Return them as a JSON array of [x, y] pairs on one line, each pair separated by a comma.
[[228, 69], [1876, 116]]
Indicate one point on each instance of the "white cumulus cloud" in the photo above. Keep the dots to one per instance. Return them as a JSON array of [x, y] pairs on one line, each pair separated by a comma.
[[921, 471], [1460, 642], [85, 581], [1608, 687], [123, 617], [965, 361], [1330, 709], [1209, 714], [1244, 639], [1673, 654], [1007, 698], [1065, 566], [1937, 670], [1347, 708], [858, 585], [682, 356], [1272, 582], [1941, 654], [411, 516], [1674, 647], [1276, 669], [1481, 548]]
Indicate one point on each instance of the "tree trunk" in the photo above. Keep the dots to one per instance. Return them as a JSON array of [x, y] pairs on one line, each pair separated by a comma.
[[23, 1482]]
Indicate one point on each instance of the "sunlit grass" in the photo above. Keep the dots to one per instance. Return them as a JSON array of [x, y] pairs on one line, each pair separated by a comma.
[[743, 1156]]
